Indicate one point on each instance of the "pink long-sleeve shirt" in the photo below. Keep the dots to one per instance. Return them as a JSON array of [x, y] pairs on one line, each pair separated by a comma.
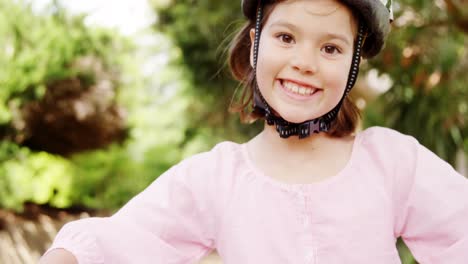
[[392, 186]]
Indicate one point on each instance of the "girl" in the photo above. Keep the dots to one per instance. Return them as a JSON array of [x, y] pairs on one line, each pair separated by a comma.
[[306, 189]]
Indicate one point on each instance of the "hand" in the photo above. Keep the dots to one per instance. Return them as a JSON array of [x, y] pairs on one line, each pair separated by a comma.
[[58, 256]]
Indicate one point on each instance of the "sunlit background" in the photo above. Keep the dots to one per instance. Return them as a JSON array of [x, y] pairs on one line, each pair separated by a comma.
[[98, 98]]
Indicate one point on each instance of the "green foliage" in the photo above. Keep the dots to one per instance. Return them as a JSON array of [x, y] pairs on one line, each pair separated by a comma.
[[405, 254], [36, 177], [40, 49], [159, 132], [426, 56], [204, 42], [108, 178]]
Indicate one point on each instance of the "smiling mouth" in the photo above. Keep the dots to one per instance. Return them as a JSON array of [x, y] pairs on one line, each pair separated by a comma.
[[298, 89]]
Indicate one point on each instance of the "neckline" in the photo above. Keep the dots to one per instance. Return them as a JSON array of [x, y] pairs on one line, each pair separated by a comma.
[[302, 188]]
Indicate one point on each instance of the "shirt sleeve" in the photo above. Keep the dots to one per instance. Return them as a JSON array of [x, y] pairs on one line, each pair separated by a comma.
[[434, 213], [172, 221]]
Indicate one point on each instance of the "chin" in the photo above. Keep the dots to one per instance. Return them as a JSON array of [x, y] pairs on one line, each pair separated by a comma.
[[296, 114], [297, 118]]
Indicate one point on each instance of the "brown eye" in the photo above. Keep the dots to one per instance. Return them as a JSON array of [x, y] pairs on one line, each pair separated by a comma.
[[330, 49], [286, 38]]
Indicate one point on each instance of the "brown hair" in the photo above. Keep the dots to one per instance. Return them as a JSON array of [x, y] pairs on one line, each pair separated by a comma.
[[239, 63]]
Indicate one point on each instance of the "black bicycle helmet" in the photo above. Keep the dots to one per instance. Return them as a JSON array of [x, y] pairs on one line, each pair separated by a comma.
[[377, 15]]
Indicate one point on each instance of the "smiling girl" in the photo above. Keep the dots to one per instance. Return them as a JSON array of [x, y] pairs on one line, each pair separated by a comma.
[[308, 188]]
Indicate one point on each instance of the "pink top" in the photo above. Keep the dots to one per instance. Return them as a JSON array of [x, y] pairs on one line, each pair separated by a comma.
[[392, 186]]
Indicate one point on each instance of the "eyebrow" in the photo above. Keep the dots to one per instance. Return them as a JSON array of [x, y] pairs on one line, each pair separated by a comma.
[[293, 27]]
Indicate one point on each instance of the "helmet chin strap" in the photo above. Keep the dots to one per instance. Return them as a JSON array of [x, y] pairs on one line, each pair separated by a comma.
[[321, 124]]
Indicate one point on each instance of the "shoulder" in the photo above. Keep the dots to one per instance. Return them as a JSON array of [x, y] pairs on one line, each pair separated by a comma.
[[212, 168], [382, 136], [222, 154], [205, 178], [398, 155], [388, 150], [388, 142]]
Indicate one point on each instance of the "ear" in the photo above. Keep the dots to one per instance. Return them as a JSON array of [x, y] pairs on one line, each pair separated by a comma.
[[252, 42]]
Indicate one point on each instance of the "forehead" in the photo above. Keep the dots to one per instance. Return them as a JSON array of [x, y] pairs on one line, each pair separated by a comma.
[[312, 7]]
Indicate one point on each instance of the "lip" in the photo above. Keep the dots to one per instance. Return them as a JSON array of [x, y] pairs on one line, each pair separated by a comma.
[[295, 96], [298, 83]]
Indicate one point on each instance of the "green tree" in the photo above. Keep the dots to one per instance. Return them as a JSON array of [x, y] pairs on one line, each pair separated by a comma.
[[81, 124], [204, 42], [51, 65], [58, 84], [427, 57]]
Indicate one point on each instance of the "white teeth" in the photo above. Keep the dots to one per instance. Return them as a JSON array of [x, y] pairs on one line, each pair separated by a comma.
[[298, 89], [302, 91], [295, 88]]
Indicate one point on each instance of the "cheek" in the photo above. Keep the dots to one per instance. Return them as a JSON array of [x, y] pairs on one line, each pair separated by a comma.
[[268, 67], [337, 76]]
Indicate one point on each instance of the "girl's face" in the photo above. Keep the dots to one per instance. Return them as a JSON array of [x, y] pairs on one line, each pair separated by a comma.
[[304, 57]]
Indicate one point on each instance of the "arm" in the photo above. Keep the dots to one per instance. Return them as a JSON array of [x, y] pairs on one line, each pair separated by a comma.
[[172, 221], [58, 256], [434, 215]]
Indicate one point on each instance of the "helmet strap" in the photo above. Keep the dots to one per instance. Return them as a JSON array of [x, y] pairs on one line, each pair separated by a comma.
[[321, 124]]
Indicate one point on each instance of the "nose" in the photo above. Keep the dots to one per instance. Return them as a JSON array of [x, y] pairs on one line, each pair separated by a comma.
[[305, 60]]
